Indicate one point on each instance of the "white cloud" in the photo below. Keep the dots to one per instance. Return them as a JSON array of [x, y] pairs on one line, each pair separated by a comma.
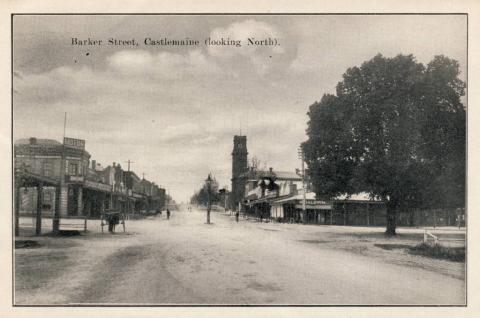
[[259, 56], [163, 64], [135, 59]]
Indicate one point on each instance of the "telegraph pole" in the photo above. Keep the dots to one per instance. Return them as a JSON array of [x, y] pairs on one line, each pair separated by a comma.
[[61, 186], [129, 162]]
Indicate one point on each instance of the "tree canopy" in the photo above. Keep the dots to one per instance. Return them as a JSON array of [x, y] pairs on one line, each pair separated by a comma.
[[207, 194], [395, 129]]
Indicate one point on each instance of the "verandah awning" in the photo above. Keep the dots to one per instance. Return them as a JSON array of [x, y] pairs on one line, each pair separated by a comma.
[[97, 186]]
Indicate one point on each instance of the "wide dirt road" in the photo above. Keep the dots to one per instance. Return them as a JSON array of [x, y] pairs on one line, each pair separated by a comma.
[[184, 261]]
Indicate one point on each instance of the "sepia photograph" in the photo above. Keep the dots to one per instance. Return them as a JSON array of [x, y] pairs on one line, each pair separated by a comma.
[[182, 160]]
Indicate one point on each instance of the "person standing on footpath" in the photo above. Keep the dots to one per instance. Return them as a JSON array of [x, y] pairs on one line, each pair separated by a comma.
[[237, 214], [168, 214]]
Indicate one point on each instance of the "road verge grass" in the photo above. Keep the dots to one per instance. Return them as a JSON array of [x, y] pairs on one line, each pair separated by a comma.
[[456, 254]]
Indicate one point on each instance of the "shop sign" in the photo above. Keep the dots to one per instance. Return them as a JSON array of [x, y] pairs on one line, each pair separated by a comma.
[[74, 178], [74, 143], [309, 206], [97, 186]]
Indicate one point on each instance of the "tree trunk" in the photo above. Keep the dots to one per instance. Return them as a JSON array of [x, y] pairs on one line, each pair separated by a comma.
[[412, 218], [391, 219]]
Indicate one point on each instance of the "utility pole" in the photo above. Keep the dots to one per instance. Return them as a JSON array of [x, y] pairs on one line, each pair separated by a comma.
[[304, 199], [61, 186], [129, 162]]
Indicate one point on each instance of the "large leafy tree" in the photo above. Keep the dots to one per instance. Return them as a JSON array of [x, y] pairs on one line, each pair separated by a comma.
[[395, 129], [208, 194], [444, 133]]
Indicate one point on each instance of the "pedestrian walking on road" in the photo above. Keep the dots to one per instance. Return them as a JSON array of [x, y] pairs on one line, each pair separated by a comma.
[[168, 214], [237, 214]]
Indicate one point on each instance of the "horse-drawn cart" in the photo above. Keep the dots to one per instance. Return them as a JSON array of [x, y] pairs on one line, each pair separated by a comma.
[[112, 218]]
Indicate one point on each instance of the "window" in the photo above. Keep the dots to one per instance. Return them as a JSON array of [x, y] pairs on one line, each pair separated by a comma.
[[47, 197], [72, 168], [47, 169]]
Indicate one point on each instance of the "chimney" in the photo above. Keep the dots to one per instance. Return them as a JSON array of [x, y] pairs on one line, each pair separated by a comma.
[[33, 141], [271, 169], [113, 164], [94, 164]]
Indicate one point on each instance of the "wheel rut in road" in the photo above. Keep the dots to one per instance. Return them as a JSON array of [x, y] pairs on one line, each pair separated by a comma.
[[138, 274], [113, 269]]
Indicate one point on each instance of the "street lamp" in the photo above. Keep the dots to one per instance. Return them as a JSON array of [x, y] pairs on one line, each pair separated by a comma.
[[208, 183]]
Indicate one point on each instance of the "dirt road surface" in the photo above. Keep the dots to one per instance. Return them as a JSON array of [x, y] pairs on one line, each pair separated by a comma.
[[185, 261]]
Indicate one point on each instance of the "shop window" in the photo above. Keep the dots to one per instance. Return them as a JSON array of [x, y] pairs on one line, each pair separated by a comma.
[[47, 200], [47, 197]]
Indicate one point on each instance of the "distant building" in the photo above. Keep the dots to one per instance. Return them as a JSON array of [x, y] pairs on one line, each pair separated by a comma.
[[96, 191], [279, 195], [154, 196], [239, 169], [264, 187]]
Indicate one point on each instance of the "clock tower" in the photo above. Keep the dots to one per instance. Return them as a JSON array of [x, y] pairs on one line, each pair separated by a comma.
[[239, 170]]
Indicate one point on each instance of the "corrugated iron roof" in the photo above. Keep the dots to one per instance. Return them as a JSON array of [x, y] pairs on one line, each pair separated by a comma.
[[309, 196], [287, 175], [278, 175]]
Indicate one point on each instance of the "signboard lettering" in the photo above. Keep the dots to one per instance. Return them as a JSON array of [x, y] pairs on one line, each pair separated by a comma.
[[74, 143]]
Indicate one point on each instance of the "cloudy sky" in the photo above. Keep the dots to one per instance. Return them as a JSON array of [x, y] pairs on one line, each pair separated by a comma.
[[174, 111]]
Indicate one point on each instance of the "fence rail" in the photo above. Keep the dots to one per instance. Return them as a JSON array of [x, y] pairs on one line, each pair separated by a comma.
[[428, 235]]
